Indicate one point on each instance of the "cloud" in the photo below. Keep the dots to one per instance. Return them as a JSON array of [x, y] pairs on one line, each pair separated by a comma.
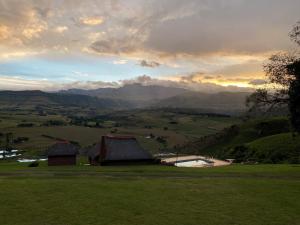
[[60, 29], [4, 32], [161, 28], [34, 30], [185, 82], [18, 84], [15, 83], [114, 46], [192, 78], [258, 82], [91, 21], [225, 40], [120, 62], [232, 27], [151, 64], [88, 85]]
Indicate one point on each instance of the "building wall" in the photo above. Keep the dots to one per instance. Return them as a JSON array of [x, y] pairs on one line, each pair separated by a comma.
[[94, 162], [61, 160]]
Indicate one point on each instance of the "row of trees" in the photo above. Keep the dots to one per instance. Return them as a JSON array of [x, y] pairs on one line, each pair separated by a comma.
[[283, 73]]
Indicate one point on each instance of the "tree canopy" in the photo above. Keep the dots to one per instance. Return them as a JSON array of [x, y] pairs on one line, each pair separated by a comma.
[[283, 74]]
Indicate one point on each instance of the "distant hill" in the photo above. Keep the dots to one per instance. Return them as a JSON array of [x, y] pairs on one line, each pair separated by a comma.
[[39, 98], [137, 93], [129, 97], [223, 101], [156, 96]]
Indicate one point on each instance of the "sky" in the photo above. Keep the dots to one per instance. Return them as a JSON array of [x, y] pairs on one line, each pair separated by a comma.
[[202, 45]]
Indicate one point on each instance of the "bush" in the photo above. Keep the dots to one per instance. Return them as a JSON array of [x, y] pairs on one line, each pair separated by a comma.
[[272, 127], [25, 125], [34, 164], [54, 123], [20, 140], [239, 153]]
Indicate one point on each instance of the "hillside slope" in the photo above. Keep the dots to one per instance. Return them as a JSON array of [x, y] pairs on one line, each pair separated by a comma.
[[261, 140], [273, 149], [28, 99], [223, 101]]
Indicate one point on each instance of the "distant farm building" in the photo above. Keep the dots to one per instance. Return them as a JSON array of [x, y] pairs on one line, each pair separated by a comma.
[[62, 153], [118, 150]]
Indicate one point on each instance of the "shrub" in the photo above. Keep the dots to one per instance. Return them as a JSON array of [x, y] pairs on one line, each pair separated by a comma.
[[239, 153], [33, 164], [54, 123], [20, 140], [25, 125]]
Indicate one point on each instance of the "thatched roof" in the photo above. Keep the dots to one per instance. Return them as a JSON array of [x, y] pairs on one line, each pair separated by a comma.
[[123, 148], [119, 148], [62, 149]]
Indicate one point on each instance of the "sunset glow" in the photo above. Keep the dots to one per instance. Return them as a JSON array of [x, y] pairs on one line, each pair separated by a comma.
[[66, 44]]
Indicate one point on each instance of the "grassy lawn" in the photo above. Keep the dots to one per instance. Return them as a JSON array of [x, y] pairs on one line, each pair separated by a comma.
[[256, 194]]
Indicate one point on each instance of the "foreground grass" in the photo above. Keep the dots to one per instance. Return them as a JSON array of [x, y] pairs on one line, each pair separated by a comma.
[[260, 194]]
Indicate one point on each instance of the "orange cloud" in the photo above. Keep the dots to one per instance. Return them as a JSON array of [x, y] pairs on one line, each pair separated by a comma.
[[61, 29], [91, 21], [4, 32]]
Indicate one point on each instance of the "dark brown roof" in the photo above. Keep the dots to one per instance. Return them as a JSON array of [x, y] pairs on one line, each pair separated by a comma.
[[123, 148], [119, 148], [62, 149]]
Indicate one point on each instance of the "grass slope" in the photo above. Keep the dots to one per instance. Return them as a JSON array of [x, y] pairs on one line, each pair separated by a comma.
[[262, 140], [276, 148], [248, 195]]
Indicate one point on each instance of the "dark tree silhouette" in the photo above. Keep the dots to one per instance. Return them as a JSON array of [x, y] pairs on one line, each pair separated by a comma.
[[295, 33], [294, 95], [283, 73]]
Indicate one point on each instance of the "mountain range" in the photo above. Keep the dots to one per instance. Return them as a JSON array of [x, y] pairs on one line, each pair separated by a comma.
[[136, 93], [171, 97], [129, 96]]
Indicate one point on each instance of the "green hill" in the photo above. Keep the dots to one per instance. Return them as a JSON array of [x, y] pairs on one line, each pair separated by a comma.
[[260, 140], [275, 148]]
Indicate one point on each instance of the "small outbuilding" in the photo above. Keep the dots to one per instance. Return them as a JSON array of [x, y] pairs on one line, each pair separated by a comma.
[[119, 150], [62, 153]]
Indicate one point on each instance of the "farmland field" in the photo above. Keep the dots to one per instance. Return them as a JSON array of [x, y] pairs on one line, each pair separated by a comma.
[[82, 195], [155, 129]]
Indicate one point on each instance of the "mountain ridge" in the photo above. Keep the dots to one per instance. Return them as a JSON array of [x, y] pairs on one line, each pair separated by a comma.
[[129, 97]]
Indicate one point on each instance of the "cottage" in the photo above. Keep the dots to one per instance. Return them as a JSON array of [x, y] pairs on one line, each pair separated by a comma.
[[62, 153], [118, 150]]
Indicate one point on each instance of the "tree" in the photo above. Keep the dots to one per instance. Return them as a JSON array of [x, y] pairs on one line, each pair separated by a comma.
[[283, 73], [294, 95], [8, 142], [295, 33]]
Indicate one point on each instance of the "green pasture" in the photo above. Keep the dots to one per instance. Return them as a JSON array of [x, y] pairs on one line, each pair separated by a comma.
[[83, 195]]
